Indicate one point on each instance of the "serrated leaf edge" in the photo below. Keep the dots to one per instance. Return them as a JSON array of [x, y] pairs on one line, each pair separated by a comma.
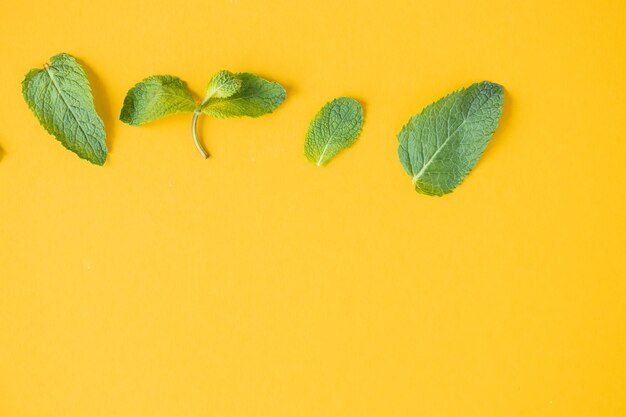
[[318, 116], [415, 178], [46, 68]]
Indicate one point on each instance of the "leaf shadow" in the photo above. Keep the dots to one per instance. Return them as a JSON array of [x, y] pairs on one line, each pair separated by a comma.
[[102, 102], [1, 153], [363, 103], [289, 90], [364, 106]]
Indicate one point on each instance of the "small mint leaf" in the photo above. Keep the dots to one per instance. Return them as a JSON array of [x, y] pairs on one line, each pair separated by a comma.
[[222, 85], [256, 97], [335, 127]]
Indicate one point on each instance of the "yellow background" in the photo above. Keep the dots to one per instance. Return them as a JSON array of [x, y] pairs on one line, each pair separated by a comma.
[[254, 284]]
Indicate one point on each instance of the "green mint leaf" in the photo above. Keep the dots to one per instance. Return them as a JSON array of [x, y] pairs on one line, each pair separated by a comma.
[[222, 85], [155, 97], [60, 97], [255, 97], [335, 127], [442, 144], [228, 95]]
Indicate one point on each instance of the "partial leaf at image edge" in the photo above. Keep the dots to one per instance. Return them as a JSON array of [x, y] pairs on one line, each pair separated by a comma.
[[439, 146], [60, 97]]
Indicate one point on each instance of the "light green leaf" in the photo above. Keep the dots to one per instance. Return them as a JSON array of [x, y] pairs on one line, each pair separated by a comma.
[[222, 85], [155, 97], [335, 127], [60, 97], [442, 144], [255, 98]]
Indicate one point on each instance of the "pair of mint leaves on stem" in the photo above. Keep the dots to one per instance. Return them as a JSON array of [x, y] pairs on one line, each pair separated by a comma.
[[438, 147], [227, 95]]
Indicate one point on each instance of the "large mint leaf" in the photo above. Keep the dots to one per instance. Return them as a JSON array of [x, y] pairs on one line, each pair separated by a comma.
[[60, 97], [155, 97], [335, 127], [442, 144], [255, 97]]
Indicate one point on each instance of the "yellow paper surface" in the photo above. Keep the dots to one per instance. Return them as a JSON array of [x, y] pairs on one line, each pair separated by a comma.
[[255, 284]]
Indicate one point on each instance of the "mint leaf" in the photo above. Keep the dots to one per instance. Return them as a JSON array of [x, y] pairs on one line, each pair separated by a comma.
[[255, 98], [155, 97], [60, 97], [222, 85], [335, 127], [442, 144], [227, 95]]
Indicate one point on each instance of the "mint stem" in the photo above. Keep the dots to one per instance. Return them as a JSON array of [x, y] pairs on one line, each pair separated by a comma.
[[194, 132]]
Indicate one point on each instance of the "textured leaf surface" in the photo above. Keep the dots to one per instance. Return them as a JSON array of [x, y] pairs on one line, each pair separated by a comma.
[[335, 127], [60, 97], [222, 85], [155, 97], [255, 98], [442, 144]]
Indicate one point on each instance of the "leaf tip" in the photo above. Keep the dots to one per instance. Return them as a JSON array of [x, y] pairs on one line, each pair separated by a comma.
[[492, 86]]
